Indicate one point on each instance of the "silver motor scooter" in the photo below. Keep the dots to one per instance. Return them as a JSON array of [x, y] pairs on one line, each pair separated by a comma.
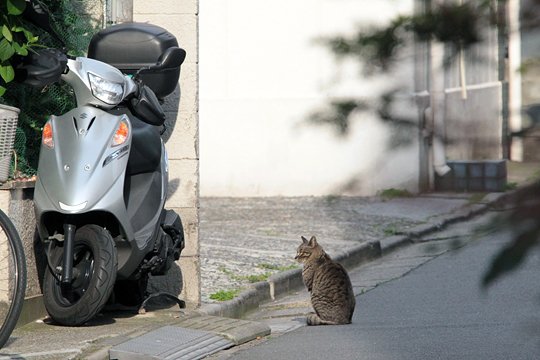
[[102, 178]]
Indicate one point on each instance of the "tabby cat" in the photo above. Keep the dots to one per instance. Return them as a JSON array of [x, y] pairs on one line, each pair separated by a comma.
[[331, 291]]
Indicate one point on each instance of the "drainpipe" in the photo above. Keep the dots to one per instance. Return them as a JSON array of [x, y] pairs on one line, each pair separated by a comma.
[[437, 100], [119, 11], [462, 77], [514, 78]]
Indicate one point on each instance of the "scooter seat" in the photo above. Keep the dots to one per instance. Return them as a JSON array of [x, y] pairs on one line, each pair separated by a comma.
[[145, 154]]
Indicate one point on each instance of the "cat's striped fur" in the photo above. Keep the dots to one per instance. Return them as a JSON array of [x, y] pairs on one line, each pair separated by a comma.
[[331, 291]]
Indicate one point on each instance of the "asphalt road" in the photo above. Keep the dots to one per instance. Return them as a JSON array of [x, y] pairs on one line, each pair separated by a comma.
[[436, 311]]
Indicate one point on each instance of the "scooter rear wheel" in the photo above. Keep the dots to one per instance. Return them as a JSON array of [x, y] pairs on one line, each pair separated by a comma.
[[94, 268]]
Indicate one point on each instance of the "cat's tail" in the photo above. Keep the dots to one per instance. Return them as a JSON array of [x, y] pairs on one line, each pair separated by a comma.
[[314, 319]]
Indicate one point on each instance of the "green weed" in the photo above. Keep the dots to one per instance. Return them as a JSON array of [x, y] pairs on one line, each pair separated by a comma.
[[476, 198], [225, 295], [269, 232], [394, 193], [230, 274], [330, 199], [256, 278], [511, 186], [535, 176], [391, 230], [274, 267]]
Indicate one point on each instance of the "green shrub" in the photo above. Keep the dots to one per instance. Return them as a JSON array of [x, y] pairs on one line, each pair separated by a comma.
[[16, 39], [76, 30]]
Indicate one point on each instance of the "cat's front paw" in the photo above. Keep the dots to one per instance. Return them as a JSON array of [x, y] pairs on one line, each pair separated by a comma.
[[313, 319]]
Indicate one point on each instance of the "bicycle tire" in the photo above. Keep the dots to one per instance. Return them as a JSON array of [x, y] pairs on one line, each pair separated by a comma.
[[12, 277]]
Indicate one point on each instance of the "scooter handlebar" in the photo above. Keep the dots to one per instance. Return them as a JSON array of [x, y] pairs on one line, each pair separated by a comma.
[[42, 68], [145, 105]]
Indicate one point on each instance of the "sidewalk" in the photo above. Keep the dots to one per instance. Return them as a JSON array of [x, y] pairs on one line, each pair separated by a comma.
[[251, 239], [256, 239], [424, 301], [244, 240]]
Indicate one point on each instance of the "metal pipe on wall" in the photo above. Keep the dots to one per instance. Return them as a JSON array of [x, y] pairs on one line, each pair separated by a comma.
[[437, 97], [119, 11]]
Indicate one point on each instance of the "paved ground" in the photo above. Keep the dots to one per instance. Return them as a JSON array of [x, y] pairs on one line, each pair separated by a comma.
[[422, 301], [242, 237], [245, 237], [250, 238], [253, 237]]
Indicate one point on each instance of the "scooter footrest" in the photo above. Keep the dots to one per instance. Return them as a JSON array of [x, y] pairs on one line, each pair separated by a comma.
[[181, 303]]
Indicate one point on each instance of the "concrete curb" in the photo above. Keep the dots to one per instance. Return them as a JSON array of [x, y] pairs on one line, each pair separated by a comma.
[[291, 280], [392, 243], [283, 283]]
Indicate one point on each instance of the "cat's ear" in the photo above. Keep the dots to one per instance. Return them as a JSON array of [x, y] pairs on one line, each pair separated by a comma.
[[304, 240], [312, 241]]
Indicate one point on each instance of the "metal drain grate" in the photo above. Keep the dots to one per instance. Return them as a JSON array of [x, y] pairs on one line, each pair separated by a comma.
[[170, 342]]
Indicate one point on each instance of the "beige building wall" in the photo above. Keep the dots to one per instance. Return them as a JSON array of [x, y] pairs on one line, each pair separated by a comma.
[[180, 17], [264, 70]]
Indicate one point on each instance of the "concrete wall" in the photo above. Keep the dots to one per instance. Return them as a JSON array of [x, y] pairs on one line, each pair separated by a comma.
[[530, 52], [263, 73], [181, 19], [16, 200], [530, 77]]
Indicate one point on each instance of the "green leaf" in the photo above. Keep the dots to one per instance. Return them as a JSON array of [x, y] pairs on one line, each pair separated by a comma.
[[21, 50], [510, 257], [30, 37], [2, 90], [16, 7], [6, 50], [7, 73], [7, 34]]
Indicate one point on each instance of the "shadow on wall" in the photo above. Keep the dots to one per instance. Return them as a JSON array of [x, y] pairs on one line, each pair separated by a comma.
[[530, 134], [391, 118], [171, 105], [473, 124], [340, 113]]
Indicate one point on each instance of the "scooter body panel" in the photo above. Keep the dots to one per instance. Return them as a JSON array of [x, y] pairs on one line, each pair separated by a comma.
[[76, 172], [84, 174]]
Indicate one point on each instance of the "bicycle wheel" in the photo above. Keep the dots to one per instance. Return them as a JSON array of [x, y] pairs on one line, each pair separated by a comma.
[[12, 277]]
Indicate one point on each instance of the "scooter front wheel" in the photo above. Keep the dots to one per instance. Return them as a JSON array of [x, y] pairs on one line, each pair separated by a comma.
[[94, 269]]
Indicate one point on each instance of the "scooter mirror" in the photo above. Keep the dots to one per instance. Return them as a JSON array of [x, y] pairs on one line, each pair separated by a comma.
[[42, 67], [172, 58]]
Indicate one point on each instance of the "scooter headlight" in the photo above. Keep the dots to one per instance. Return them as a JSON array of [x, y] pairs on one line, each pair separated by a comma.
[[107, 91]]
